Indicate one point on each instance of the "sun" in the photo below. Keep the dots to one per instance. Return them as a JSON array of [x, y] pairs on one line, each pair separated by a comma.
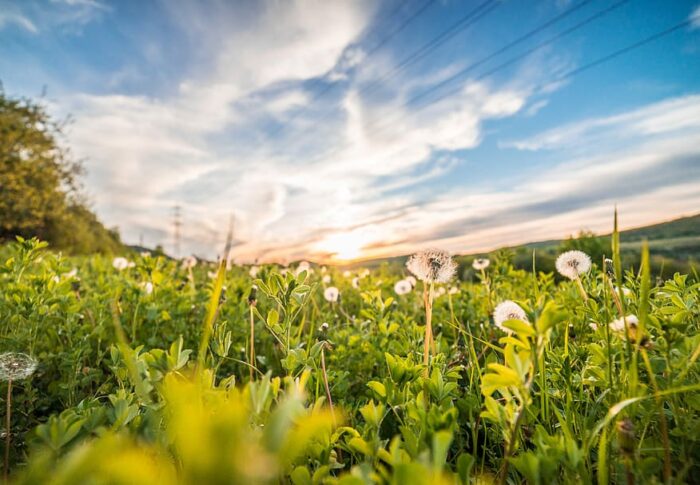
[[344, 246]]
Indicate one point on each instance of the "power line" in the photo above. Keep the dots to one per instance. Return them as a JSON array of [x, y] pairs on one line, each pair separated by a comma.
[[528, 52], [376, 47], [466, 21], [506, 47], [472, 17], [624, 50]]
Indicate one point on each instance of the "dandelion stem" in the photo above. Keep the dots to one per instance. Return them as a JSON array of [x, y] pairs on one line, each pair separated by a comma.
[[580, 289], [252, 341], [428, 341], [8, 434], [325, 382]]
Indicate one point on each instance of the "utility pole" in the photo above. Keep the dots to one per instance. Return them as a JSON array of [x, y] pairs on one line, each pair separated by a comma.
[[229, 241], [177, 226]]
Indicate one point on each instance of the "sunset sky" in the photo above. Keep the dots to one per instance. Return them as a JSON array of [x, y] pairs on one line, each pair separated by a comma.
[[338, 130]]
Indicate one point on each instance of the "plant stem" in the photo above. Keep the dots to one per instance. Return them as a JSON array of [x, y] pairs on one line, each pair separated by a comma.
[[8, 434], [579, 285], [662, 417], [252, 341], [325, 382], [428, 341]]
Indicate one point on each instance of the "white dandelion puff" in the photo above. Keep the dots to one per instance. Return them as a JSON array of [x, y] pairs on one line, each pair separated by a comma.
[[412, 280], [508, 310], [356, 282], [432, 266], [618, 325], [454, 290], [572, 264], [347, 274], [331, 294], [303, 266], [16, 366], [323, 328], [120, 263], [148, 287], [593, 325], [253, 272], [189, 262], [480, 263], [326, 279], [402, 287]]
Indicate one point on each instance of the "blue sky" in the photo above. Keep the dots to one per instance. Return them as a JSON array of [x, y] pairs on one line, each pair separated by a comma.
[[319, 126]]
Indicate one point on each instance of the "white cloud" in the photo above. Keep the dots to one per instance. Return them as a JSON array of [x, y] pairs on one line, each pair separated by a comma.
[[695, 17], [678, 114], [10, 15], [207, 146]]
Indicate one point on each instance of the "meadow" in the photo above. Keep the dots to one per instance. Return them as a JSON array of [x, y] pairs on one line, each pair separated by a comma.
[[145, 369]]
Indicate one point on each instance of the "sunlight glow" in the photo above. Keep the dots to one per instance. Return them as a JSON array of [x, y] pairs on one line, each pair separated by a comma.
[[345, 246]]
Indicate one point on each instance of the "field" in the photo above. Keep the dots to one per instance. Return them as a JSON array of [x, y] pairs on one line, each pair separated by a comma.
[[151, 370]]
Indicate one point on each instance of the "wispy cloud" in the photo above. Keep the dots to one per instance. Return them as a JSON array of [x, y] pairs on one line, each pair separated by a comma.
[[244, 131]]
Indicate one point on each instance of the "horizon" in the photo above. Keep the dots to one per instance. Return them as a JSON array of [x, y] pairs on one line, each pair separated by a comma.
[[360, 130]]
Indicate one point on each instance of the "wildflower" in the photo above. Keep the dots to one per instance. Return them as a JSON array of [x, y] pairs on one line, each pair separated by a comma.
[[303, 266], [618, 325], [364, 273], [326, 279], [441, 291], [212, 274], [331, 294], [432, 266], [402, 287], [356, 282], [593, 325], [253, 272], [454, 290], [189, 262], [323, 328], [625, 291], [120, 263], [15, 366], [71, 274], [412, 280], [480, 263], [508, 310], [148, 287], [572, 264]]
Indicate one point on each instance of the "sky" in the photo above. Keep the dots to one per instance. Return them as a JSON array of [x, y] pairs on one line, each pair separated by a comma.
[[350, 129]]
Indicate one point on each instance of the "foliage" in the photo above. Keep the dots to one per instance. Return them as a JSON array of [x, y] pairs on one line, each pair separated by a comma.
[[39, 183], [122, 395]]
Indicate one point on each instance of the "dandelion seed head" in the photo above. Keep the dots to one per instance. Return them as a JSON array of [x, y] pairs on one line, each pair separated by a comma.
[[253, 272], [572, 264], [148, 287], [323, 328], [508, 310], [402, 287], [356, 282], [412, 280], [432, 266], [347, 274], [454, 290], [15, 366], [303, 266], [120, 263], [189, 262], [326, 279], [331, 294], [480, 263]]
